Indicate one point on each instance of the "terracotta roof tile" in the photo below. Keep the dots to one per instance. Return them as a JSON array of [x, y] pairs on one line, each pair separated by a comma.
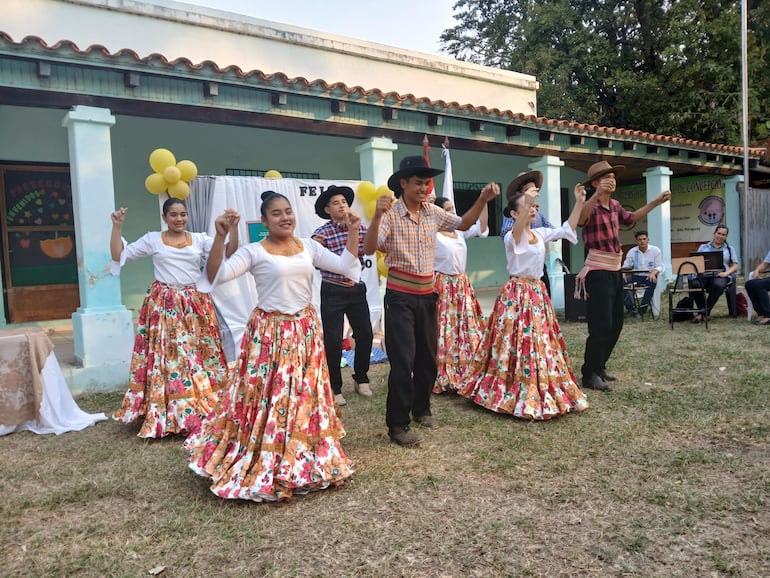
[[156, 60]]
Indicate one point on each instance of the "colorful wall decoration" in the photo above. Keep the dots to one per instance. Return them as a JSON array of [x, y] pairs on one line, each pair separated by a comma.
[[38, 229]]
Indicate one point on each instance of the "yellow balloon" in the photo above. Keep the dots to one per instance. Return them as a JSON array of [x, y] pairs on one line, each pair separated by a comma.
[[179, 190], [188, 170], [366, 192], [160, 159], [383, 190], [172, 174], [273, 174], [382, 268], [369, 208], [155, 183]]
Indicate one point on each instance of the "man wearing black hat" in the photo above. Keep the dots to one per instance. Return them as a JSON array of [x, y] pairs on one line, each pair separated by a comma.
[[600, 281], [341, 296], [405, 230]]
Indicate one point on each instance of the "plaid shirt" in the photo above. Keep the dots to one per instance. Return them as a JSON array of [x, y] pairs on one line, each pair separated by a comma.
[[602, 231], [409, 245], [334, 236]]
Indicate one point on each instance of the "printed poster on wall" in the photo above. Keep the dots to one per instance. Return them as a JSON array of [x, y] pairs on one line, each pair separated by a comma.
[[697, 206]]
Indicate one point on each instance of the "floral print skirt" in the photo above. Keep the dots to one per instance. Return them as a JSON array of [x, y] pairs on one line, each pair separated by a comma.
[[522, 366], [178, 366], [460, 327], [277, 432]]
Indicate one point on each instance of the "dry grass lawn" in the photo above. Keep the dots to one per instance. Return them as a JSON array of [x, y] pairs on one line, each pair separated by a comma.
[[668, 475]]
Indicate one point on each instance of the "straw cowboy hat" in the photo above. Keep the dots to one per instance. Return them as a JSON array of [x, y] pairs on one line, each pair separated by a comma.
[[521, 180], [598, 170], [407, 168], [326, 196]]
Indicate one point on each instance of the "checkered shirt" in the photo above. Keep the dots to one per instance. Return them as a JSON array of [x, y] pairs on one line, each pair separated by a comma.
[[410, 245], [602, 231], [334, 236]]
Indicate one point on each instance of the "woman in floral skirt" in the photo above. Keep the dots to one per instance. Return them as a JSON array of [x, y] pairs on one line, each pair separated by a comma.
[[277, 432], [522, 366], [178, 366], [460, 318]]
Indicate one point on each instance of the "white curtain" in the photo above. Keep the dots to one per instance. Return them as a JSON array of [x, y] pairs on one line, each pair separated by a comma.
[[236, 299]]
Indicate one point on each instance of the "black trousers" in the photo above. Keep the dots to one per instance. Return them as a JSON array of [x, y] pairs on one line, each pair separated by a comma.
[[336, 302], [604, 313], [411, 340], [714, 287], [758, 293]]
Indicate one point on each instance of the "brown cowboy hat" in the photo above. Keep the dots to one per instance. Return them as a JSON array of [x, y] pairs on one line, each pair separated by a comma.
[[326, 196], [598, 170], [521, 180], [407, 168]]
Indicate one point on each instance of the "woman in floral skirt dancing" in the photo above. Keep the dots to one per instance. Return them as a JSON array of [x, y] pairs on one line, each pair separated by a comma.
[[178, 366], [522, 366], [277, 431], [460, 318]]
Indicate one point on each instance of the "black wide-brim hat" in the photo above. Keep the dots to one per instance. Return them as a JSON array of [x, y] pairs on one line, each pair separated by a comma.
[[326, 196], [410, 167], [521, 180]]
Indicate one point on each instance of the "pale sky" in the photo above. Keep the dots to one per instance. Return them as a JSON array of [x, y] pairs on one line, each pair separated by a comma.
[[411, 24]]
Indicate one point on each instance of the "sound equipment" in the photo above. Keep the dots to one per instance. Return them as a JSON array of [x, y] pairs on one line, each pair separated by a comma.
[[574, 309]]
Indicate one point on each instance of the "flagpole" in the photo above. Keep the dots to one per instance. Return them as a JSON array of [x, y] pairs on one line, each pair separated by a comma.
[[425, 149], [745, 118], [448, 190]]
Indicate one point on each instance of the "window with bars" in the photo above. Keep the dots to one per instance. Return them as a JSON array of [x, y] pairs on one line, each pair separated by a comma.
[[466, 194], [261, 173]]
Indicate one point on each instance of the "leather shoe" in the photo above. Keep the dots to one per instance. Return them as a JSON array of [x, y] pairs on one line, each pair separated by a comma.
[[403, 436], [426, 421], [339, 399], [595, 382], [362, 388], [606, 376]]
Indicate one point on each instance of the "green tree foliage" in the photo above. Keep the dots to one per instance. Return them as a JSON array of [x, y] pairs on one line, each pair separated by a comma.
[[662, 66]]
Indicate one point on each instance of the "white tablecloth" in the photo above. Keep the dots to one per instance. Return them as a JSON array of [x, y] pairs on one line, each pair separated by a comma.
[[57, 412]]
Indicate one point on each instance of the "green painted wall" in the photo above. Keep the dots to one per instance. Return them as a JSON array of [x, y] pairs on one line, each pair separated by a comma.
[[37, 135]]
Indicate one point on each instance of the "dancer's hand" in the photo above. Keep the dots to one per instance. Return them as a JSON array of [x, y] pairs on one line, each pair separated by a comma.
[[490, 191], [222, 225], [353, 220], [384, 203], [118, 216], [580, 193], [233, 217]]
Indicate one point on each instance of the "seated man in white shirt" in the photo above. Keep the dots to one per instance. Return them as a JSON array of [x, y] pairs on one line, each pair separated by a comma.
[[646, 260]]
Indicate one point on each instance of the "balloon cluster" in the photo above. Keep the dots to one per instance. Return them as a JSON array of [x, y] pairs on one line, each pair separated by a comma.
[[368, 195], [170, 175], [382, 268]]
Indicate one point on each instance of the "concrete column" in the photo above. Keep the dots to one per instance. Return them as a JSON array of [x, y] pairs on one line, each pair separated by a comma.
[[550, 207], [375, 158], [102, 326], [733, 218], [658, 179]]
